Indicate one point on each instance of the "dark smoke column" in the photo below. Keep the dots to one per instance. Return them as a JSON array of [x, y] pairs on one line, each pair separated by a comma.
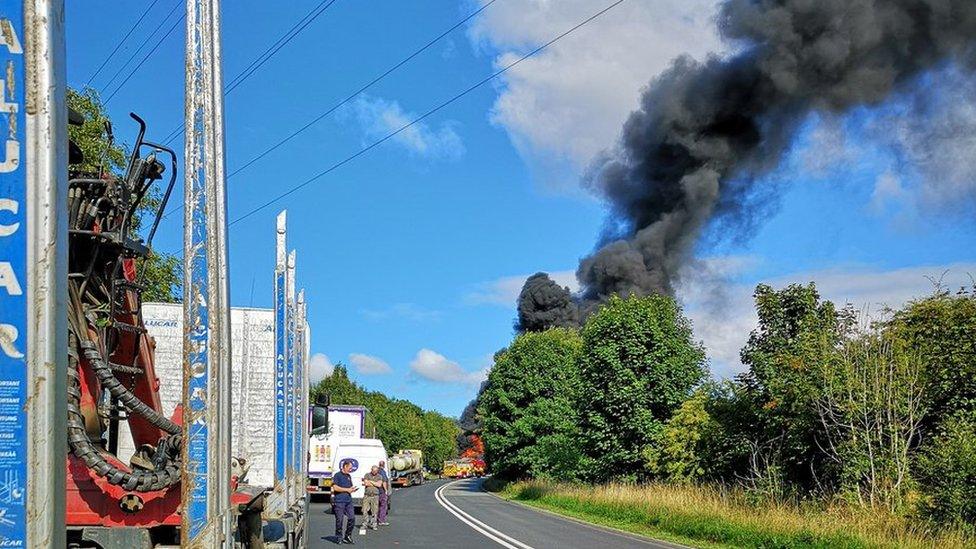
[[543, 304], [704, 132]]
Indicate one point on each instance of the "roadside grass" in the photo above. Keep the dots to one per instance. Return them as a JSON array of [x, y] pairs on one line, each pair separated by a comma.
[[713, 517]]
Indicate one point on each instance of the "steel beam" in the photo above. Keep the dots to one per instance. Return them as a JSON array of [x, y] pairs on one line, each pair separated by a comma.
[[33, 274], [206, 304], [277, 502], [290, 387]]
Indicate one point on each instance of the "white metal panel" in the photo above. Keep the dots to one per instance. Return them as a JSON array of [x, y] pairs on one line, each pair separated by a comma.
[[252, 384]]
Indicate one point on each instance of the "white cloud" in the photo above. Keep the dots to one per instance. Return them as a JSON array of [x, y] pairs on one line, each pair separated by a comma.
[[379, 117], [888, 192], [407, 311], [369, 365], [505, 290], [319, 368], [569, 102], [434, 366], [723, 313]]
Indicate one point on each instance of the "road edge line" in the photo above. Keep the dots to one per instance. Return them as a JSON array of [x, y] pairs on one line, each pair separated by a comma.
[[477, 525]]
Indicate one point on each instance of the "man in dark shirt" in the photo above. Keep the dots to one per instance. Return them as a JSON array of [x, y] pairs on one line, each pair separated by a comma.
[[384, 495], [342, 506]]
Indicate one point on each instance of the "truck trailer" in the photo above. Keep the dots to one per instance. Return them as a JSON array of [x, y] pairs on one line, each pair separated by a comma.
[[407, 468]]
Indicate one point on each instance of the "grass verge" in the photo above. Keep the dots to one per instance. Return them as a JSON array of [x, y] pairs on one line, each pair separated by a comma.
[[710, 517]]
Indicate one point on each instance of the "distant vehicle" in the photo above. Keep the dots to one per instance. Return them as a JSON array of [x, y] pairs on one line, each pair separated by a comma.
[[407, 468], [464, 468], [364, 453], [330, 426]]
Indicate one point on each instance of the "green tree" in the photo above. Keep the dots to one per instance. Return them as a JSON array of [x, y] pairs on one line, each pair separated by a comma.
[[940, 328], [162, 273], [797, 333], [440, 440], [640, 362], [400, 424], [679, 450], [947, 469], [529, 423]]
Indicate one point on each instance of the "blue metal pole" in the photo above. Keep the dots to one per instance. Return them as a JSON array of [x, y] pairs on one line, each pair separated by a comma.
[[281, 352], [33, 274]]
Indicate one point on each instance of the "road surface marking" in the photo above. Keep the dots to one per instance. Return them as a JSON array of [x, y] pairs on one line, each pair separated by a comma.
[[477, 525]]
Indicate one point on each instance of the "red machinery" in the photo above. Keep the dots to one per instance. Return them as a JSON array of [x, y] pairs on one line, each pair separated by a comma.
[[111, 376]]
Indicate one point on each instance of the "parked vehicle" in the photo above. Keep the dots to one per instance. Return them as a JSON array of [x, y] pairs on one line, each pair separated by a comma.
[[407, 468], [364, 453], [330, 425]]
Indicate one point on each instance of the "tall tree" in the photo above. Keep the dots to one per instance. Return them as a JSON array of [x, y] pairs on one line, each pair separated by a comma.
[[797, 333], [162, 273], [528, 414], [640, 362]]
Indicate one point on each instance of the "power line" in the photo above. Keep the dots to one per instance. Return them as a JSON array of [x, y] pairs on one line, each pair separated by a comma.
[[390, 135], [265, 56], [143, 60], [352, 96], [246, 73], [141, 46], [120, 42]]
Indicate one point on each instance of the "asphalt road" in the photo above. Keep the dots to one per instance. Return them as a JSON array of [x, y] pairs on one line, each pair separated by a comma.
[[457, 514]]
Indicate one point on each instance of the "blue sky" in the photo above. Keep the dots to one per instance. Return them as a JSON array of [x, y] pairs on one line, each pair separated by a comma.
[[410, 254]]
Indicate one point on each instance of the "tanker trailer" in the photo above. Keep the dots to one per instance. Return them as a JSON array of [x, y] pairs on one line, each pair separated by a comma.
[[407, 468]]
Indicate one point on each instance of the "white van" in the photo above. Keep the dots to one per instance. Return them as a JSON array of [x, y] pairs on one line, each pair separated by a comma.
[[364, 453]]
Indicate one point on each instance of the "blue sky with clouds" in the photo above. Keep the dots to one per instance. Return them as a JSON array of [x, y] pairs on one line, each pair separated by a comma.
[[411, 255]]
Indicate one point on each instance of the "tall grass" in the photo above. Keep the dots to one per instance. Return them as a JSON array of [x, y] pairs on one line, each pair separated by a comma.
[[717, 517]]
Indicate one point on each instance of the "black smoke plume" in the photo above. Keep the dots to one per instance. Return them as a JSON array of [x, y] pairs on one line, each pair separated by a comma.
[[705, 131], [543, 304]]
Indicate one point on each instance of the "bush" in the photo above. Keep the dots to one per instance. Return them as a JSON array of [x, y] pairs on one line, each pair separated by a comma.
[[947, 469]]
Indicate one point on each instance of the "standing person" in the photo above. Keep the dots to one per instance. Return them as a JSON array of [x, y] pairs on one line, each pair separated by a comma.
[[342, 506], [372, 481], [384, 495]]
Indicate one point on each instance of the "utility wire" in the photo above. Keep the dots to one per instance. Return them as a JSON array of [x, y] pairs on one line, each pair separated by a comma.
[[265, 56], [120, 42], [352, 96], [146, 57], [141, 46], [392, 134]]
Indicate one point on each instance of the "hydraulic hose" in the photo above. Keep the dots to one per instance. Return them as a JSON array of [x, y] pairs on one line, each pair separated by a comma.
[[81, 445]]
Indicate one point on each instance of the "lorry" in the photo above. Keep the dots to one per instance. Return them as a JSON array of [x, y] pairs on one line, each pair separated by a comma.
[[331, 424], [407, 468]]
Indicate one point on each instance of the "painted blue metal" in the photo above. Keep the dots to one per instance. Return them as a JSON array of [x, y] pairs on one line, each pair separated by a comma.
[[13, 277], [290, 395], [198, 356], [280, 376]]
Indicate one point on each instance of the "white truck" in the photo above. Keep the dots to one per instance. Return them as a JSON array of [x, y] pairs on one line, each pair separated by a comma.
[[330, 426]]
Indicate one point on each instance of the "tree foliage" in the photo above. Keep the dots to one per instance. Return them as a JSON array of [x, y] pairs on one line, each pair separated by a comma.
[[797, 333], [528, 408], [639, 363], [162, 273], [400, 424]]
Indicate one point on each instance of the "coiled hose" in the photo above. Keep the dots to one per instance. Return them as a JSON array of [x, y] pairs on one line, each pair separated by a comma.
[[168, 451], [81, 445]]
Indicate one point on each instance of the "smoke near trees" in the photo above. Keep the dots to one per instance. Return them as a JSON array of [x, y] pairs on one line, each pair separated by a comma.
[[705, 132], [544, 304]]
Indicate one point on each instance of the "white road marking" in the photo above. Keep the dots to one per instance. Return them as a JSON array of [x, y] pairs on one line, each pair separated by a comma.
[[477, 525]]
